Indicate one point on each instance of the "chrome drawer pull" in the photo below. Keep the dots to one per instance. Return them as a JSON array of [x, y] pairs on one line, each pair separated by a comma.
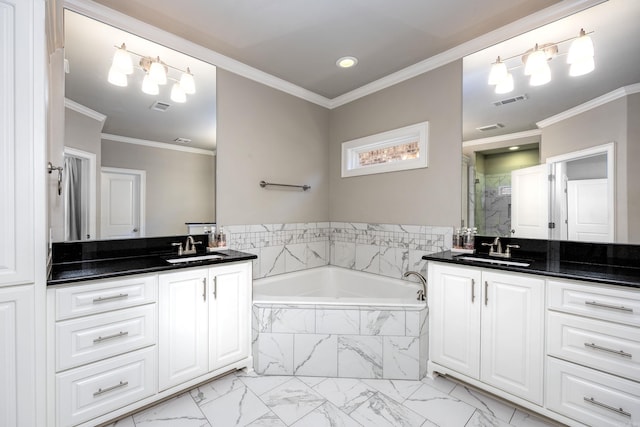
[[618, 352], [109, 337], [103, 299], [613, 307], [113, 387], [605, 406]]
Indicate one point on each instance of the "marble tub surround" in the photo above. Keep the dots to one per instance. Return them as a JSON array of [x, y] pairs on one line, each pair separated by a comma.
[[385, 249], [241, 399], [353, 342]]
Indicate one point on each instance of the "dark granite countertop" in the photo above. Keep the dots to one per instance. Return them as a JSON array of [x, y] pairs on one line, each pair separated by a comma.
[[82, 261], [612, 264]]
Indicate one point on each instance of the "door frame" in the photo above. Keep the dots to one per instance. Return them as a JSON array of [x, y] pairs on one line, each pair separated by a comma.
[[556, 164], [142, 178], [93, 189]]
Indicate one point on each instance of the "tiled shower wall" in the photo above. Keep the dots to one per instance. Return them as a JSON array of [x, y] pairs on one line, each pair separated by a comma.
[[385, 249]]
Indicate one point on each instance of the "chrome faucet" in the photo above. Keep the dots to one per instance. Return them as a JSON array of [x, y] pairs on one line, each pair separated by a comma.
[[422, 293], [190, 246], [498, 248]]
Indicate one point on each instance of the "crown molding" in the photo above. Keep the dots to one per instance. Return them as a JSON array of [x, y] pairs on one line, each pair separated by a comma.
[[528, 23], [79, 108], [142, 29], [155, 144], [590, 105], [155, 34], [502, 138]]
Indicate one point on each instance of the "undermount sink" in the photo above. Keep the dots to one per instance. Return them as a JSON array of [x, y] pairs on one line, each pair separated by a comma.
[[497, 261], [196, 258]]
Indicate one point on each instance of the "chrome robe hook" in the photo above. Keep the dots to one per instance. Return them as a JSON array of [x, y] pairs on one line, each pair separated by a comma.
[[52, 168]]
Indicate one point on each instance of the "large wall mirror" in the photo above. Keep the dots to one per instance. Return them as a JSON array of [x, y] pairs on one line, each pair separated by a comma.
[[555, 160], [139, 157]]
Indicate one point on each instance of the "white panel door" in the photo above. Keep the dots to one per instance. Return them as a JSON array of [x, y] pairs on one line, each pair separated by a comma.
[[513, 334], [18, 130], [454, 314], [121, 207], [229, 314], [530, 202], [590, 219], [183, 327], [17, 353]]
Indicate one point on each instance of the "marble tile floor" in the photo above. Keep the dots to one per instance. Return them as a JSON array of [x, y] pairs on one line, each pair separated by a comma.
[[242, 399]]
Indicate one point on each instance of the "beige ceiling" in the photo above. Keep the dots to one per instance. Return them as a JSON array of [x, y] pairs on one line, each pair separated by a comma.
[[299, 41]]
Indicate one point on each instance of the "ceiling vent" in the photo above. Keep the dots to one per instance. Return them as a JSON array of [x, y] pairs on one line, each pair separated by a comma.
[[160, 106], [490, 127], [522, 97], [182, 140]]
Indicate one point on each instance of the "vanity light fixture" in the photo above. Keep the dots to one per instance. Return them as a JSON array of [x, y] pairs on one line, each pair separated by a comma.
[[536, 63], [514, 148], [347, 62], [156, 74]]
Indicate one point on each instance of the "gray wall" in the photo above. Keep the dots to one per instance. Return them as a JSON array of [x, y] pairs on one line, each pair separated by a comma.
[[83, 133], [265, 134], [601, 125], [420, 196], [180, 186], [633, 166]]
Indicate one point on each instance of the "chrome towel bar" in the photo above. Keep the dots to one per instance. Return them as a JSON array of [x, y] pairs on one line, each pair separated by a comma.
[[304, 187]]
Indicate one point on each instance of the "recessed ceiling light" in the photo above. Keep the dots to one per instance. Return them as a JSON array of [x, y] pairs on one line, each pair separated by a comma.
[[515, 147], [347, 62]]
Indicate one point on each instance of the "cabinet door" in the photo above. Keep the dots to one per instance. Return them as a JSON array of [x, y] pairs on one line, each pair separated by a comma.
[[21, 137], [229, 314], [17, 356], [513, 334], [182, 338], [454, 311]]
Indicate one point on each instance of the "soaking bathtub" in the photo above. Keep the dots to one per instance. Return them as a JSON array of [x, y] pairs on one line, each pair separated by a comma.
[[335, 286], [335, 322]]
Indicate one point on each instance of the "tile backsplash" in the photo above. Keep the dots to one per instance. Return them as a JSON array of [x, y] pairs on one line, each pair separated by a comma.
[[385, 249]]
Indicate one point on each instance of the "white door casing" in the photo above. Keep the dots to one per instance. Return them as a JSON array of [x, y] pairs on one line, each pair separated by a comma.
[[122, 210]]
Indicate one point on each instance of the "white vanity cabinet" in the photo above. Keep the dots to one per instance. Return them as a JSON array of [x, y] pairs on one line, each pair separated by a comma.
[[105, 354], [204, 321], [593, 347], [489, 327]]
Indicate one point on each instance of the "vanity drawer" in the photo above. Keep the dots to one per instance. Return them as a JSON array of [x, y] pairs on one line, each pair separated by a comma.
[[104, 295], [93, 390], [92, 338], [600, 302], [591, 397], [606, 346]]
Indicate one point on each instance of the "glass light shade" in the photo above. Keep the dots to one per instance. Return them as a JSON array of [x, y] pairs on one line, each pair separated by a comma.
[[177, 93], [580, 68], [122, 60], [149, 86], [581, 48], [158, 73], [505, 85], [498, 72], [117, 77], [187, 83], [541, 76], [535, 61]]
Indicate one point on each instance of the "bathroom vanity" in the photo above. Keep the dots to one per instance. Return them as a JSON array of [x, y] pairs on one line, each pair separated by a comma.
[[127, 331], [559, 336]]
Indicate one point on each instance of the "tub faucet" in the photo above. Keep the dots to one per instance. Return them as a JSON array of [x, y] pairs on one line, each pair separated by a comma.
[[422, 293], [190, 246]]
